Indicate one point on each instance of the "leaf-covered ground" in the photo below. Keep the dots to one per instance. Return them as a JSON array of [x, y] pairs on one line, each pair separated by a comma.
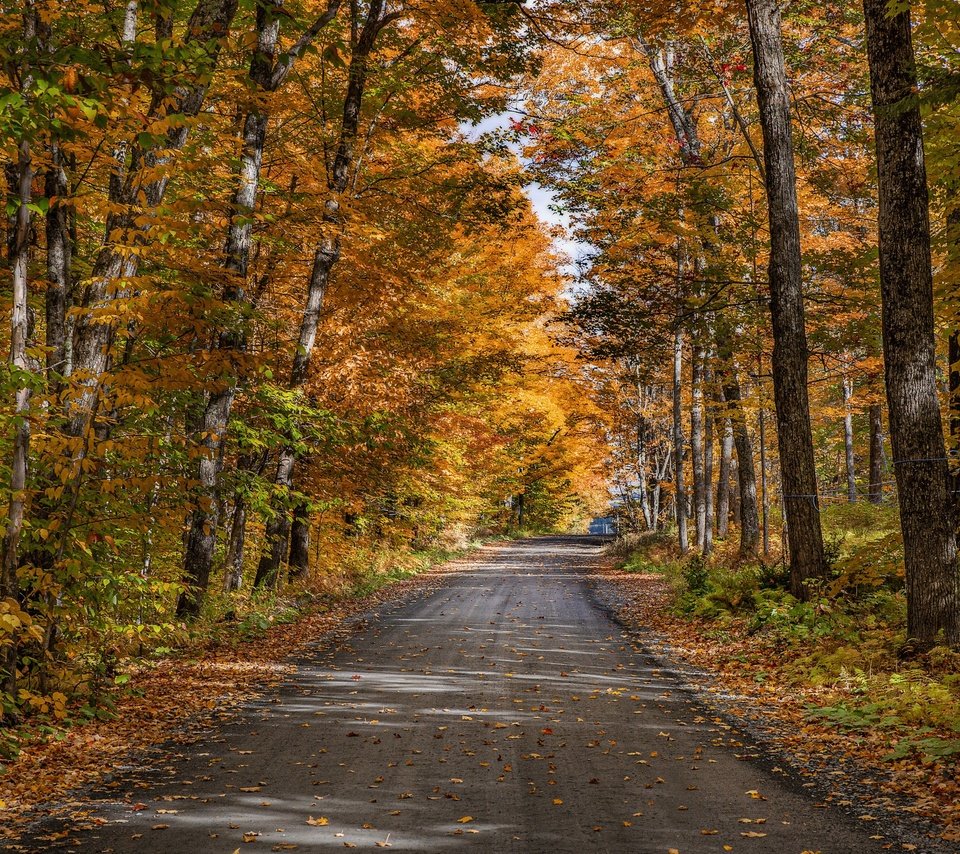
[[754, 682]]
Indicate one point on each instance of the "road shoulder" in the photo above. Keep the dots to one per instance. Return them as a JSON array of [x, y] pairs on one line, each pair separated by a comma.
[[832, 767]]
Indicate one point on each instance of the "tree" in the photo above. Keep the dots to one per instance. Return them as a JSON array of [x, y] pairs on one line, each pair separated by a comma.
[[790, 354], [906, 286], [20, 176], [267, 74]]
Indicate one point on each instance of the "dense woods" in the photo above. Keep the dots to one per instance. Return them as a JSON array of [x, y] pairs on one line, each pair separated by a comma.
[[282, 316], [769, 278], [273, 316]]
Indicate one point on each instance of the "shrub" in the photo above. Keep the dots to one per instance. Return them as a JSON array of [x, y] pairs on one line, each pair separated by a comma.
[[696, 576]]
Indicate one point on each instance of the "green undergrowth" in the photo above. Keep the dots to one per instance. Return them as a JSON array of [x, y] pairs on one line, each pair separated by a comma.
[[846, 644], [356, 575]]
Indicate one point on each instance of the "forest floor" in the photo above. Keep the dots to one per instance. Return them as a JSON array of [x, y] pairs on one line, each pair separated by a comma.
[[505, 709]]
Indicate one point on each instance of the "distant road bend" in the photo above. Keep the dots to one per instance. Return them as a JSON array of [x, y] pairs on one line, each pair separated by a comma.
[[504, 712]]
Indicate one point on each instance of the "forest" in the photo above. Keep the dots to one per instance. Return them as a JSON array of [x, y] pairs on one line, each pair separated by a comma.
[[290, 321]]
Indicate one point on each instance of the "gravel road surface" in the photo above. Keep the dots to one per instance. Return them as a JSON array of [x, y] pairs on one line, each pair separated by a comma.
[[504, 712]]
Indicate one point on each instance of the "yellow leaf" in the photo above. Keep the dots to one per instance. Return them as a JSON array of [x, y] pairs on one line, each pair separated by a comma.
[[465, 819], [322, 821]]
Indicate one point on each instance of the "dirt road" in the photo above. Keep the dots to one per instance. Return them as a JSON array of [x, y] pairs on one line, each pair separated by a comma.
[[504, 712]]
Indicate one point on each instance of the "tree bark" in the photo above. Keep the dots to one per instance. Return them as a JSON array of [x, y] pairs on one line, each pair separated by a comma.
[[325, 258], [19, 362], [952, 238], [267, 73], [848, 441], [708, 476], [680, 491], [790, 352], [906, 290], [642, 482], [662, 467], [233, 576], [746, 472], [697, 445], [204, 520], [953, 402], [300, 541], [764, 484], [723, 479], [59, 253], [278, 528]]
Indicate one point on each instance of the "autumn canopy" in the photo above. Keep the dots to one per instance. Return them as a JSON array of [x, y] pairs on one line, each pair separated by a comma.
[[284, 323]]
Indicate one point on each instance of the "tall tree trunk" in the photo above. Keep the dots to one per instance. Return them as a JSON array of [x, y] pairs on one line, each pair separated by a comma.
[[764, 484], [848, 440], [300, 540], [278, 528], [723, 479], [697, 445], [643, 454], [875, 489], [642, 484], [21, 362], [662, 467], [680, 492], [746, 472], [906, 290], [325, 258], [952, 238], [267, 73], [786, 300], [204, 520], [953, 402], [708, 476], [233, 574], [746, 505], [735, 486], [59, 252]]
